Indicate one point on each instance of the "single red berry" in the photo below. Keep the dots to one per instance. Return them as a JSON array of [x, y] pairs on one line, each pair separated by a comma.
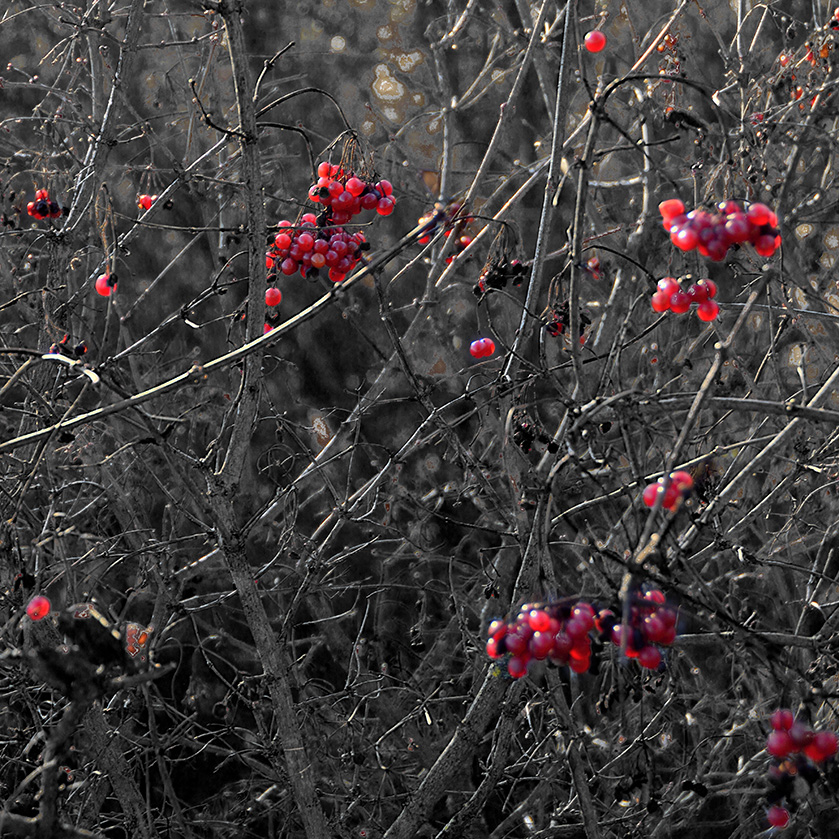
[[650, 494], [783, 59], [782, 720], [823, 746], [42, 195], [38, 607], [385, 206], [649, 657], [759, 214], [492, 649], [517, 667], [497, 629], [779, 744], [778, 816], [324, 169], [708, 310], [580, 665], [679, 303], [660, 301], [105, 284], [668, 286], [273, 296], [144, 202], [766, 245], [595, 40], [710, 286], [539, 620], [671, 208], [541, 643], [685, 238], [482, 347]]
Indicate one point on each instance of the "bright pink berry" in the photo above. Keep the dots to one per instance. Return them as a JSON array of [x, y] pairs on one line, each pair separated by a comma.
[[38, 607], [273, 296], [778, 816], [595, 40], [105, 284]]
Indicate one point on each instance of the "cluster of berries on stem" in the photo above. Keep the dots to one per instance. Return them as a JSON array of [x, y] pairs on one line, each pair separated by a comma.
[[669, 296], [679, 486], [797, 752], [43, 206], [713, 233], [498, 272], [345, 194], [563, 632]]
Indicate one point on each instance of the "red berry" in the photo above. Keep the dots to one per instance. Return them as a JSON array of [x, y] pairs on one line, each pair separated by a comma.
[[685, 238], [288, 266], [517, 667], [541, 643], [355, 186], [668, 286], [273, 296], [595, 40], [482, 347], [766, 245], [649, 657], [539, 620], [710, 286], [779, 744], [105, 284], [680, 303], [385, 206], [759, 214], [683, 482], [822, 747], [144, 202], [778, 816], [324, 169], [782, 720], [671, 208], [42, 195], [738, 228], [580, 665], [660, 301], [492, 649], [708, 310], [305, 241], [497, 629], [38, 607], [650, 494]]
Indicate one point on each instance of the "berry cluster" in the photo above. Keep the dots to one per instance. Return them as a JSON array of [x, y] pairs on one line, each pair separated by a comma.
[[62, 347], [560, 318], [669, 296], [38, 607], [797, 752], [105, 284], [712, 234], [681, 484], [482, 348], [346, 195], [498, 272], [460, 245], [555, 631], [651, 624], [308, 246], [561, 632], [43, 207]]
